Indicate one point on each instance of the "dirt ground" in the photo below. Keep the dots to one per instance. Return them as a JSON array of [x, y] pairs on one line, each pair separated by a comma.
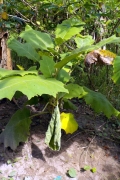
[[95, 144]]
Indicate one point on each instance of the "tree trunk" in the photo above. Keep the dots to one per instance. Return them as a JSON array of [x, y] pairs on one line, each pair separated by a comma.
[[5, 55]]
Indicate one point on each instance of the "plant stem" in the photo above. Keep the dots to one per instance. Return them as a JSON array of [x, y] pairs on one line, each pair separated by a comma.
[[39, 113]]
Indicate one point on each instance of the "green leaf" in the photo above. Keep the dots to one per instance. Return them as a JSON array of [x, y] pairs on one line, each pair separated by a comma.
[[72, 173], [53, 134], [37, 39], [99, 103], [84, 41], [68, 28], [95, 99], [47, 66], [30, 85], [24, 49], [75, 53], [63, 76], [74, 91], [7, 73], [17, 129], [69, 105], [93, 170], [32, 68], [116, 70], [86, 168], [33, 101]]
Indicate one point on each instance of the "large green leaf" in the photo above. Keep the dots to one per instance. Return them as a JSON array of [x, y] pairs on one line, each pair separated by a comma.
[[30, 85], [47, 66], [37, 39], [17, 129], [7, 73], [100, 103], [24, 49], [63, 76], [68, 28], [84, 41], [53, 134], [74, 91], [116, 70], [95, 99], [77, 52]]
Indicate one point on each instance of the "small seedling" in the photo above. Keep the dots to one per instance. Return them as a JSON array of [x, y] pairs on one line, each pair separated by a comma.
[[86, 168], [93, 170], [72, 173]]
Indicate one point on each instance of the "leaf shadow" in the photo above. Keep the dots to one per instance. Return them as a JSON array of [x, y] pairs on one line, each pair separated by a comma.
[[36, 152]]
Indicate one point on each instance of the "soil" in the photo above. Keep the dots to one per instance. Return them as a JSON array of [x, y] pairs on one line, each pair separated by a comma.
[[95, 144]]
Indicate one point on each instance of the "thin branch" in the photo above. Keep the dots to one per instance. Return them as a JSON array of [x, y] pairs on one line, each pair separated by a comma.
[[116, 24], [22, 15], [38, 114], [26, 3]]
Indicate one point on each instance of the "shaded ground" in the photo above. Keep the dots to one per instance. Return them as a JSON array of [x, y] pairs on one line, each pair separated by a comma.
[[96, 143]]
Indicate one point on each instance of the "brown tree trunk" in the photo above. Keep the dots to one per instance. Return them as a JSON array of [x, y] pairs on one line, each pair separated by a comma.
[[5, 55]]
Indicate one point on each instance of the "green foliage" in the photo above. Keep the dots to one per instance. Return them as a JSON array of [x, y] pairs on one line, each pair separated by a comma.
[[63, 76], [69, 28], [53, 55], [30, 85], [24, 49], [86, 168], [4, 73], [74, 91], [93, 170], [47, 66], [53, 134], [84, 41], [37, 39], [116, 70], [17, 130], [99, 103], [75, 53], [95, 99]]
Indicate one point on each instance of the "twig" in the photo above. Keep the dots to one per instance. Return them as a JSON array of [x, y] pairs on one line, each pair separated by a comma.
[[22, 15], [117, 23], [38, 114], [26, 3], [89, 147]]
